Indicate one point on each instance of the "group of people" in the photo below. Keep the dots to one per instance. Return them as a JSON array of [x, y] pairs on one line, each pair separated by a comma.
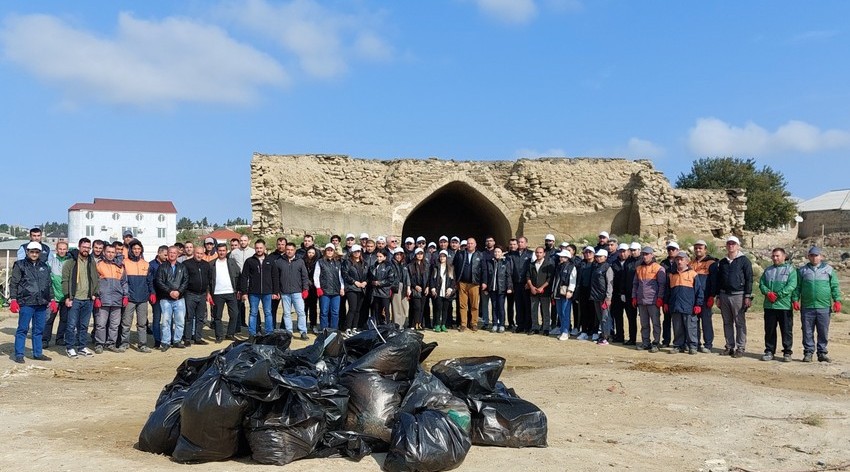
[[349, 285]]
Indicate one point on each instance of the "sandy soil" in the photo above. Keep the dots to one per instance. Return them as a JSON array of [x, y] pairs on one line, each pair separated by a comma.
[[609, 407]]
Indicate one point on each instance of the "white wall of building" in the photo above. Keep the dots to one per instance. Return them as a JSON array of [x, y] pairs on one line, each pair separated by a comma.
[[152, 229]]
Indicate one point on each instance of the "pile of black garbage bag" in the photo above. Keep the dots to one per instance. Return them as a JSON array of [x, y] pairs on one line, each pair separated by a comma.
[[339, 398]]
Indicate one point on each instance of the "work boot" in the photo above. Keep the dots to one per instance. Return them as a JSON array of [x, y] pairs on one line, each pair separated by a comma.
[[767, 356], [807, 357]]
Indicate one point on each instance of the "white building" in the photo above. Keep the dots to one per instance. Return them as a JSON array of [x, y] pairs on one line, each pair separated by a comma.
[[152, 223]]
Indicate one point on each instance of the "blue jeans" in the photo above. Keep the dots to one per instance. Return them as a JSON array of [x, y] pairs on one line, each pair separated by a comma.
[[498, 300], [268, 319], [172, 310], [34, 315], [156, 308], [79, 315], [815, 318], [484, 308], [290, 300], [563, 306], [329, 305]]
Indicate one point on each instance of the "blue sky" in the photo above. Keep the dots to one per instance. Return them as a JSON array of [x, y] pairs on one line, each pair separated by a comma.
[[168, 100]]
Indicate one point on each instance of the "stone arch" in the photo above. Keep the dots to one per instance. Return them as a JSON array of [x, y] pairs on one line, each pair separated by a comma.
[[458, 208]]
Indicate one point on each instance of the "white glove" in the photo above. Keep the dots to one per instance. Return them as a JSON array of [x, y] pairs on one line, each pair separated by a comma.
[[623, 298]]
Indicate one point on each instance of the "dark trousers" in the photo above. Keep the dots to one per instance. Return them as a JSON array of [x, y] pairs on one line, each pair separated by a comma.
[[785, 320], [156, 309], [509, 320], [354, 301], [416, 306], [196, 312], [219, 302], [522, 301], [275, 306], [457, 322], [240, 305], [442, 310], [380, 310], [310, 307], [631, 316], [617, 308], [63, 324], [365, 309], [588, 324], [498, 313], [426, 313], [666, 328]]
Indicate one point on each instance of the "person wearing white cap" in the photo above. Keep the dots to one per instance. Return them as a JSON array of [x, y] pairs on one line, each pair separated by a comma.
[[355, 273], [670, 267], [617, 261], [603, 241], [563, 287], [381, 246], [734, 292], [601, 293], [31, 295], [442, 286], [549, 248], [628, 282], [409, 247], [349, 242], [587, 328], [330, 287], [648, 291], [539, 280], [454, 247], [705, 265]]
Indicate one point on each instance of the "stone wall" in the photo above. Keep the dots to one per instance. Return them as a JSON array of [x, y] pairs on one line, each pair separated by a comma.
[[323, 194], [816, 223]]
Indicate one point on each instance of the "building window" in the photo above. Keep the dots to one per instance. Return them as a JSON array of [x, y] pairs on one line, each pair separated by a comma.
[[139, 217], [160, 218], [116, 216], [89, 215], [160, 232], [89, 230]]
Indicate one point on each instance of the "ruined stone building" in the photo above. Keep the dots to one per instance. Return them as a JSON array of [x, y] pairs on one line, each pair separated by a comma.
[[336, 194]]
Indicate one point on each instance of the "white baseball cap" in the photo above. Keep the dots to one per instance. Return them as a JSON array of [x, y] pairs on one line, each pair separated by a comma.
[[329, 246], [550, 237], [623, 247], [349, 236], [33, 246], [381, 239], [409, 240], [356, 247], [602, 252], [418, 250], [364, 235], [463, 243], [564, 253], [604, 233], [672, 244], [733, 239], [634, 245], [420, 239], [444, 238]]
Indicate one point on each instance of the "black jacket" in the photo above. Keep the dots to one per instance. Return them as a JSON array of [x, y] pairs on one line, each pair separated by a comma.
[[330, 271], [500, 275], [258, 278], [168, 280], [619, 268], [354, 272], [601, 282], [520, 259], [477, 267], [31, 283], [382, 277], [735, 276], [232, 272], [542, 276], [418, 275], [436, 281], [199, 276], [292, 275]]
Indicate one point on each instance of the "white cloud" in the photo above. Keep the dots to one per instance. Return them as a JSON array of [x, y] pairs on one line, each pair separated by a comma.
[[714, 137], [533, 153], [145, 63], [637, 147], [813, 36], [509, 11], [324, 41]]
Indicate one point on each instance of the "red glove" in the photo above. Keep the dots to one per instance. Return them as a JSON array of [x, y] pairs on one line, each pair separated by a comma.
[[305, 294], [710, 303], [54, 307], [659, 302], [14, 307], [125, 301], [97, 303], [210, 300], [836, 307], [795, 305], [772, 297], [697, 310], [634, 302], [319, 292], [604, 305], [152, 299], [666, 308]]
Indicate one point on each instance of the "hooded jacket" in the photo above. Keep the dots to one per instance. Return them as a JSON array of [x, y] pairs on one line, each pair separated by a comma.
[[113, 282], [139, 287], [650, 283], [685, 290], [56, 263], [818, 286], [31, 283], [735, 276], [781, 280], [382, 277]]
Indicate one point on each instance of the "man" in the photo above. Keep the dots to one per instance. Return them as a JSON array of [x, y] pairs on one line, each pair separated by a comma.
[[588, 328], [705, 267], [196, 297], [409, 248], [628, 281], [817, 292], [156, 308], [538, 279], [684, 299], [603, 241], [648, 297], [55, 261], [128, 238], [97, 250], [35, 237], [139, 291], [79, 286], [470, 271], [258, 283], [363, 238], [381, 246], [511, 254], [111, 298], [454, 246], [209, 250], [618, 302], [601, 293], [31, 292], [119, 252], [734, 296], [171, 281], [224, 279], [234, 245], [337, 242], [549, 246], [670, 266], [777, 284], [240, 256], [306, 244], [349, 243], [294, 286], [522, 296], [279, 252], [188, 251]]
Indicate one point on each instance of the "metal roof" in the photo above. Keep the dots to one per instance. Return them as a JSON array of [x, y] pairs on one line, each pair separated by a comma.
[[109, 204], [832, 200]]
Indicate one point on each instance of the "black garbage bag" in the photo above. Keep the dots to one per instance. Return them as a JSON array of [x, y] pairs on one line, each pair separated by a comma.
[[469, 376], [397, 359], [278, 338], [507, 421], [188, 372], [427, 392], [426, 442], [333, 400], [160, 433], [285, 430], [211, 419], [427, 349], [368, 339], [372, 404], [343, 444]]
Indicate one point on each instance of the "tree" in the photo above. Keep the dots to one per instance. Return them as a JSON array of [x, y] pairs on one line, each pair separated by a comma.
[[768, 205], [184, 224]]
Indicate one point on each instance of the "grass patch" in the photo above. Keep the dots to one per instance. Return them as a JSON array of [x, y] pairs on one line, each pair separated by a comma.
[[656, 368], [813, 419]]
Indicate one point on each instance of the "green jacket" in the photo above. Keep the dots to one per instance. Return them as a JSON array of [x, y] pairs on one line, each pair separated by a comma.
[[55, 262], [818, 286], [782, 280]]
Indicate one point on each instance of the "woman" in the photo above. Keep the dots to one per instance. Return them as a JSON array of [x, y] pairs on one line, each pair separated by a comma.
[[310, 259], [499, 284], [381, 279], [417, 290], [563, 286], [329, 287], [442, 285], [401, 292], [356, 275]]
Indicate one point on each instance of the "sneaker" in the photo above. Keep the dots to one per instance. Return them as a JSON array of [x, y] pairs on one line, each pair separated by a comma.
[[807, 357], [86, 352], [582, 337], [602, 342], [304, 336], [564, 337], [824, 358], [786, 358], [164, 347], [653, 349], [316, 330], [704, 350], [629, 343], [157, 344], [555, 332], [180, 345], [19, 359], [501, 329], [42, 358], [767, 356], [218, 340], [98, 349], [738, 353], [185, 343], [575, 332], [113, 349], [692, 351], [72, 353], [144, 348], [201, 342], [485, 326], [494, 329], [595, 337], [727, 352], [123, 348], [230, 337]]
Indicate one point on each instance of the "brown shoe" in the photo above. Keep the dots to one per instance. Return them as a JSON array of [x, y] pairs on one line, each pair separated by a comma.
[[474, 328], [462, 328]]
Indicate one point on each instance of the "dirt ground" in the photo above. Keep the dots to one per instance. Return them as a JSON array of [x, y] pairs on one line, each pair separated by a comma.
[[609, 407]]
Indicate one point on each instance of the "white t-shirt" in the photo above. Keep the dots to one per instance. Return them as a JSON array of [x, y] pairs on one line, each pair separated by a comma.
[[223, 284]]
